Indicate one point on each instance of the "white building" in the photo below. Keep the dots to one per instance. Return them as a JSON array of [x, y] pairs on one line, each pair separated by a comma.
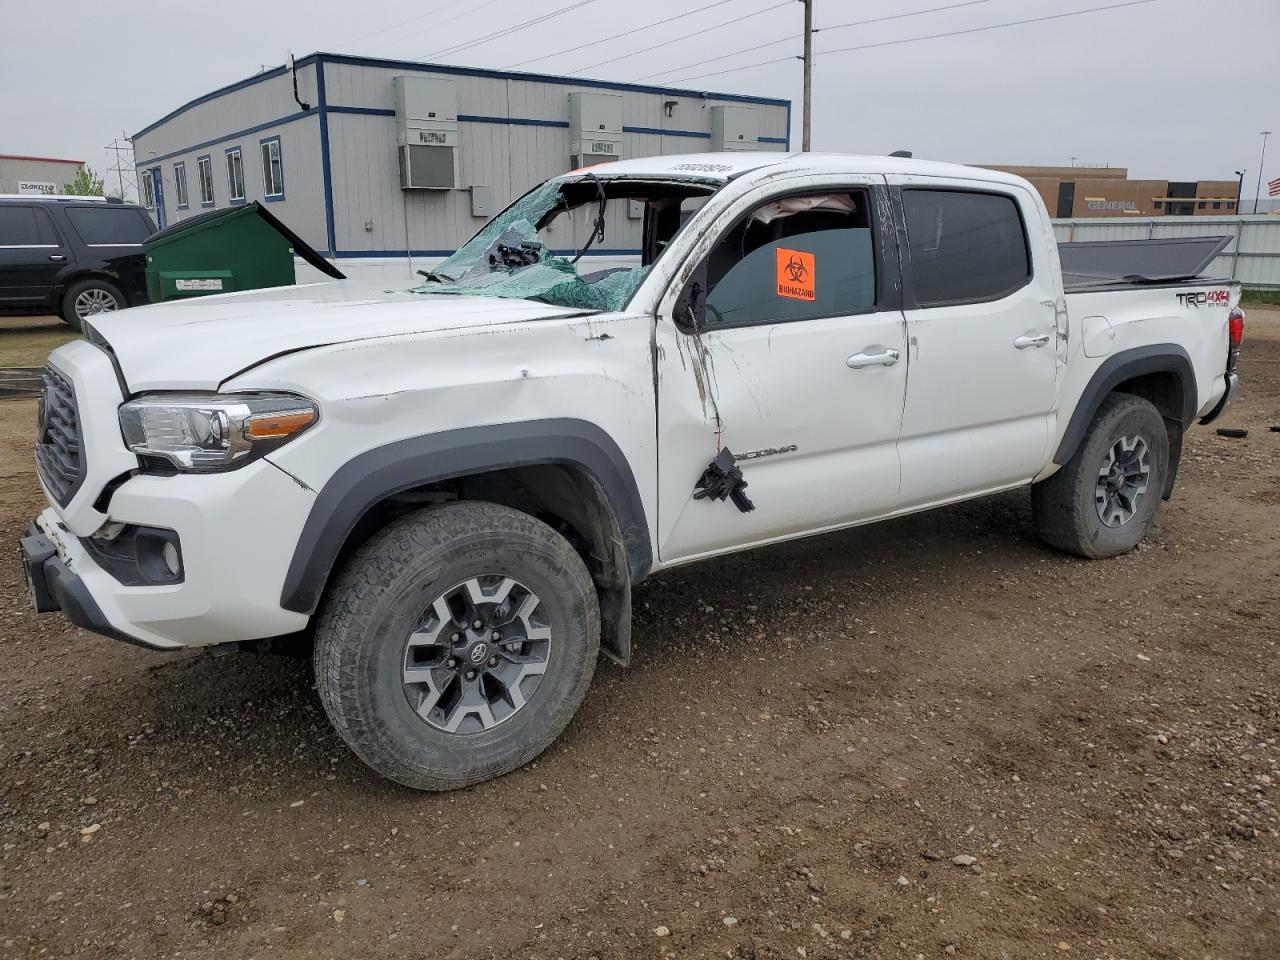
[[382, 161]]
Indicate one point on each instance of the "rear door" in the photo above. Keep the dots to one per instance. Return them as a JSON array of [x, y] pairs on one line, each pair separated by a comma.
[[983, 305], [31, 253]]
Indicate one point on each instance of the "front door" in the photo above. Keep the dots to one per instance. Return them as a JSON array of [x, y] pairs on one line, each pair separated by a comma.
[[795, 360], [982, 321], [31, 253]]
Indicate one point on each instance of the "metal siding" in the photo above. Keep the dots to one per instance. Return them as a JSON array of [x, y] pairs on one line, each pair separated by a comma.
[[57, 172]]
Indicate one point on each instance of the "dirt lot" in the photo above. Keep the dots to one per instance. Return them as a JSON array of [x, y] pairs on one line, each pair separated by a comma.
[[809, 736]]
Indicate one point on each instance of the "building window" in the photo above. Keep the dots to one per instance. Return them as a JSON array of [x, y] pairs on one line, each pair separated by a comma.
[[235, 175], [180, 184], [205, 167], [272, 169], [1201, 204], [1217, 204], [148, 191], [1231, 204], [1159, 204]]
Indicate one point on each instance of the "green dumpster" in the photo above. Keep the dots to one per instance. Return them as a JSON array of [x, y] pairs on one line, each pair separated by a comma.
[[243, 247]]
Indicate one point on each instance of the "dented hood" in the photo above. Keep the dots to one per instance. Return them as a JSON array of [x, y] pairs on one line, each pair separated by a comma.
[[198, 344]]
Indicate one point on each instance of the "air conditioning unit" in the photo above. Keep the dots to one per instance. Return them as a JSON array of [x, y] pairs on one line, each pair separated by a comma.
[[595, 128], [426, 132], [427, 168], [734, 128]]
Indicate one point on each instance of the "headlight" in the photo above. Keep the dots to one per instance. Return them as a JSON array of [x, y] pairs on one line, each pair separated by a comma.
[[205, 433]]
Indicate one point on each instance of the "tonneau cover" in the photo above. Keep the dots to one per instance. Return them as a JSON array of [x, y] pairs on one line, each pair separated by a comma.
[[1107, 262]]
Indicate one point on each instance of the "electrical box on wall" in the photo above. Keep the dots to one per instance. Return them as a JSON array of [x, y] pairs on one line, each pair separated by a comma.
[[734, 128], [426, 132], [595, 128]]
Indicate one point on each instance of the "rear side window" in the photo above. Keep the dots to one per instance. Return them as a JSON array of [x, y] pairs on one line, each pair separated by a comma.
[[25, 227], [109, 226], [966, 247]]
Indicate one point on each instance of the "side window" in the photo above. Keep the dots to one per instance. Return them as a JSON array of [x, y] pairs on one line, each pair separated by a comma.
[[180, 183], [25, 227], [796, 258], [966, 247], [235, 174], [109, 226], [272, 168], [204, 167], [148, 190]]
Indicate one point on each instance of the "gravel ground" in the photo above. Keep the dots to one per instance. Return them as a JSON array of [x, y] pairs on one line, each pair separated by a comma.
[[925, 738]]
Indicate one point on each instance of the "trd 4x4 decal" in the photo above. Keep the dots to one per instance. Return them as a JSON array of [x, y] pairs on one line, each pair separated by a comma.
[[1205, 298]]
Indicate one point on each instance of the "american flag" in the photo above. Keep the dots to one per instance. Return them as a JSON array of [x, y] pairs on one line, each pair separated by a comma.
[[1273, 187]]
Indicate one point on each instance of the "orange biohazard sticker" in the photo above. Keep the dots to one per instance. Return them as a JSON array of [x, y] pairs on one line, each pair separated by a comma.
[[795, 274]]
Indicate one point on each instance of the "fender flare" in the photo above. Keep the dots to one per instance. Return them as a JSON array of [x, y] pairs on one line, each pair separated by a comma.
[[1116, 369], [361, 483]]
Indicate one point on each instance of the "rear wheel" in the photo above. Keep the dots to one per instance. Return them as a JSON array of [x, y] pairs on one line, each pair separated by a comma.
[[1103, 499], [457, 644], [88, 297]]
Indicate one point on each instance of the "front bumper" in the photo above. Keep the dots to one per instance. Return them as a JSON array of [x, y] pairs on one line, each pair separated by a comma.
[[1232, 385], [237, 532], [52, 586]]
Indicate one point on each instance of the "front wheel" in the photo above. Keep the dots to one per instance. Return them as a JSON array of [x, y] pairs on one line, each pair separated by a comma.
[[1103, 499], [457, 644]]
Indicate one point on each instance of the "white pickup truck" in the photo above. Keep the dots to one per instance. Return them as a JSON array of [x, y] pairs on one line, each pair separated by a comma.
[[452, 490]]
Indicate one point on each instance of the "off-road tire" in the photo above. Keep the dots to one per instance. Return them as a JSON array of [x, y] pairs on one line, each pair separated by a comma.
[[88, 286], [1064, 506], [383, 590]]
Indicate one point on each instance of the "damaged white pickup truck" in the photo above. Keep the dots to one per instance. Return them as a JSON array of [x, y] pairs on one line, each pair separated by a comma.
[[452, 490]]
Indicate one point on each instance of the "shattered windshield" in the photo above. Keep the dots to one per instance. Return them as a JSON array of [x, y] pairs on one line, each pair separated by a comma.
[[549, 245]]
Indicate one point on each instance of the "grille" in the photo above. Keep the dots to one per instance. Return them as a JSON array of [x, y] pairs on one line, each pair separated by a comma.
[[59, 456]]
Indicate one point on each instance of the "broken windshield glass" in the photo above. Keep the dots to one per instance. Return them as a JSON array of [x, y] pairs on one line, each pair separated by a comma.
[[535, 249]]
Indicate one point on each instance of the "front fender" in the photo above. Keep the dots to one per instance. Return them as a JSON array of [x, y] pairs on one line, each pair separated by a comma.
[[361, 483]]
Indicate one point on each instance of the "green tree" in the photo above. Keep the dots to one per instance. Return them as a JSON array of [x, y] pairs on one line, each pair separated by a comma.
[[86, 184]]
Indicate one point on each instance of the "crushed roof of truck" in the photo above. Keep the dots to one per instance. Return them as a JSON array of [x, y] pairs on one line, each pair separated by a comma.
[[723, 167]]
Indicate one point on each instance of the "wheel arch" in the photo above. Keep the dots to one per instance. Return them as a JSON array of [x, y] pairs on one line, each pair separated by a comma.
[[88, 273], [1161, 373], [568, 471]]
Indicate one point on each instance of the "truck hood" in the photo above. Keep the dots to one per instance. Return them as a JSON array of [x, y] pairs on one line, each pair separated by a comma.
[[198, 344]]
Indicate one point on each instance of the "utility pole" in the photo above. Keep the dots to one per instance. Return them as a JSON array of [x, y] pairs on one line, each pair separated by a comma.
[[1258, 193], [806, 139], [119, 146]]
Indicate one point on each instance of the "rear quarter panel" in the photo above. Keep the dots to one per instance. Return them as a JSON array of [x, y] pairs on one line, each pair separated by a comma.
[[1110, 322]]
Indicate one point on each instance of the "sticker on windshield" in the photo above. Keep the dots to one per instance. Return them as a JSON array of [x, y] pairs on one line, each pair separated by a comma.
[[795, 274]]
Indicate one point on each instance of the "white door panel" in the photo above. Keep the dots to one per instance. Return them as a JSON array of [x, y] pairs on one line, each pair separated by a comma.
[[811, 405], [984, 376], [777, 387]]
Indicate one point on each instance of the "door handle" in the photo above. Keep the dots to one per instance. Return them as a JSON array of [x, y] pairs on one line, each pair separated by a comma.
[[1029, 341], [886, 358], [56, 257]]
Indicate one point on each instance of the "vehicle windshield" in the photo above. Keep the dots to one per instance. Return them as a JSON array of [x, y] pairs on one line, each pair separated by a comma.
[[583, 242]]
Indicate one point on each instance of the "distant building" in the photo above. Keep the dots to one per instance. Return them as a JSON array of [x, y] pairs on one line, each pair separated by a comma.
[[1078, 192], [373, 159], [35, 175]]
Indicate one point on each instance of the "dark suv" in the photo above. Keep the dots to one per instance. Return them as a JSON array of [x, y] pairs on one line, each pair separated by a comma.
[[74, 256]]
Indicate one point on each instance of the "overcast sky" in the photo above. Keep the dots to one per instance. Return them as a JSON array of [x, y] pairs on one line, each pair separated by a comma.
[[1175, 89]]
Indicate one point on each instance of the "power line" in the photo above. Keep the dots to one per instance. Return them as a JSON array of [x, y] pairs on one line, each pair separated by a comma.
[[458, 47], [798, 36], [931, 36], [403, 23], [687, 36], [468, 12], [617, 36]]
